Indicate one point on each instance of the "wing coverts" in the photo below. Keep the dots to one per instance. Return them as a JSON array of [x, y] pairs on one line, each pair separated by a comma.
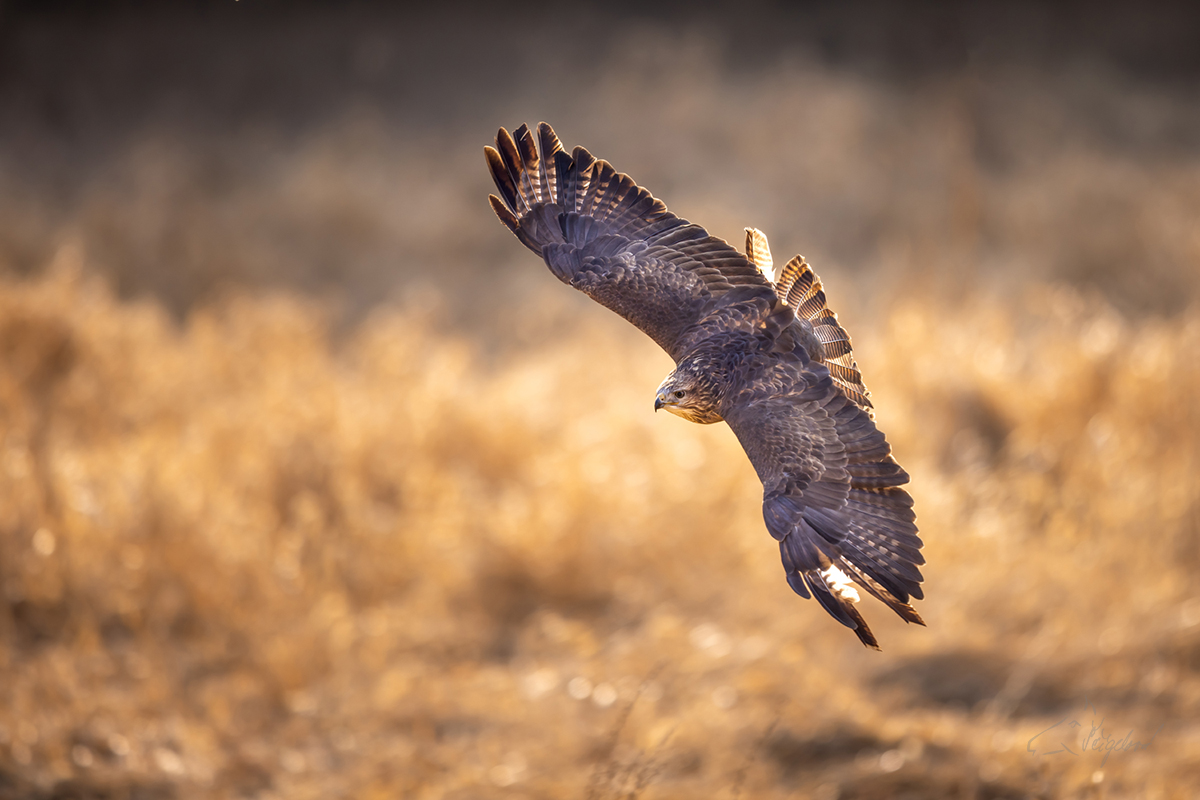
[[788, 384]]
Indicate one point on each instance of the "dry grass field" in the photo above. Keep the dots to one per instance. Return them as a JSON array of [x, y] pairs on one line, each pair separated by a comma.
[[314, 483]]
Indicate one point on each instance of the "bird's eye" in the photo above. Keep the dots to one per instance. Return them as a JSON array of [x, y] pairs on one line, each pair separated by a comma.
[[679, 394]]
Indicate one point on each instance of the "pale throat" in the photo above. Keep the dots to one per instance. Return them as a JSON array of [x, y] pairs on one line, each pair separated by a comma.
[[687, 392]]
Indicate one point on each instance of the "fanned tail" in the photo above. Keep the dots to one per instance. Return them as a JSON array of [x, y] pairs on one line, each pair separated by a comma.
[[800, 288]]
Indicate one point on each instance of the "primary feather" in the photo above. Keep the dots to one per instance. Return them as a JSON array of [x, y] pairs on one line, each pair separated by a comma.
[[759, 351]]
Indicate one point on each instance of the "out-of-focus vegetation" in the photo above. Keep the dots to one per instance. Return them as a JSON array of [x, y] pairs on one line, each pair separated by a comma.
[[426, 538], [241, 558]]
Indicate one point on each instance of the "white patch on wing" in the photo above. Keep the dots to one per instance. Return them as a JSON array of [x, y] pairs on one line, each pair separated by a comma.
[[839, 583]]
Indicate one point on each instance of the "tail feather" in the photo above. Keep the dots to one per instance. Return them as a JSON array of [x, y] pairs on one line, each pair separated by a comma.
[[759, 252], [800, 288]]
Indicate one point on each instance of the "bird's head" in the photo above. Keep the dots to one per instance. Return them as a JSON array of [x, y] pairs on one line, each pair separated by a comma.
[[690, 393]]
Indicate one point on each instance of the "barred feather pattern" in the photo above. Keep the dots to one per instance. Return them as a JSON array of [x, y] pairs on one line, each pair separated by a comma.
[[849, 518], [757, 347], [601, 233], [798, 286]]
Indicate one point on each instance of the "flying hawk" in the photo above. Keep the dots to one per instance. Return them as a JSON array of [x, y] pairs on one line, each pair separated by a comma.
[[756, 349]]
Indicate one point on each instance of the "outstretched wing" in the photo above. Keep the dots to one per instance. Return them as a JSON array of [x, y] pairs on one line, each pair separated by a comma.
[[600, 232], [831, 490]]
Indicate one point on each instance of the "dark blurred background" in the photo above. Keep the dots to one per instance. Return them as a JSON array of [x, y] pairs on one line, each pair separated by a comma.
[[335, 147]]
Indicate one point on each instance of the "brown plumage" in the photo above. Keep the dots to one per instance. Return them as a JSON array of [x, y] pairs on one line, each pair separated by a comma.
[[761, 352], [799, 287]]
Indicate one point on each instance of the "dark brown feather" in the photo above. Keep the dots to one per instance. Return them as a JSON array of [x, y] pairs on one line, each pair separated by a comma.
[[781, 367], [660, 272]]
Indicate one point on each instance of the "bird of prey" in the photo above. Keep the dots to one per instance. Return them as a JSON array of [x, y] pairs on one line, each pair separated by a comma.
[[755, 348]]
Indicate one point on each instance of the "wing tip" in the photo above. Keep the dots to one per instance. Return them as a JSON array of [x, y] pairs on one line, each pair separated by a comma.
[[839, 602], [832, 585], [502, 211]]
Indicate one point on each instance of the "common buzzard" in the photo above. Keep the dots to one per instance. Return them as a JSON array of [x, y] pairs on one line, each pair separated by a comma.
[[756, 349]]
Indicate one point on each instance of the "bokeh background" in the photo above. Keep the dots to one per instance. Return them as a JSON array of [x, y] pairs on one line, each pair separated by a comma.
[[314, 483]]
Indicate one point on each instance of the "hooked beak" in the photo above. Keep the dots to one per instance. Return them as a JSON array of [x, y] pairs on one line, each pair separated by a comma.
[[658, 403]]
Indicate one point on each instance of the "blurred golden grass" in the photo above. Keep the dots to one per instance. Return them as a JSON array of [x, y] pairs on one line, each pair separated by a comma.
[[247, 552], [243, 555]]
